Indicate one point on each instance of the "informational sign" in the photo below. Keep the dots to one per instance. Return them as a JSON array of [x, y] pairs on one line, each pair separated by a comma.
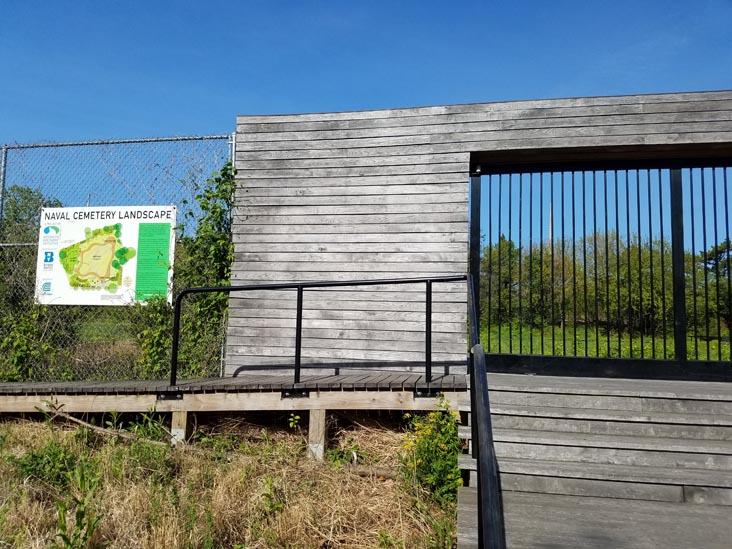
[[105, 256]]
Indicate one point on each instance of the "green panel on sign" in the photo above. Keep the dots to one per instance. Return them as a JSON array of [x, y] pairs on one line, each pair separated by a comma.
[[153, 256]]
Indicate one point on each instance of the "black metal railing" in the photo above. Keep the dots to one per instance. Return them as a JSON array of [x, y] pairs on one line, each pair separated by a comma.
[[625, 261], [491, 533], [300, 288]]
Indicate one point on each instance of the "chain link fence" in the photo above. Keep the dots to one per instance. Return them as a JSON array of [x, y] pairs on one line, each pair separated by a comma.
[[52, 343]]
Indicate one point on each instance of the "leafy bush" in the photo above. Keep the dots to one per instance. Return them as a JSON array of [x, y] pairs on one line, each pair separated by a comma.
[[51, 463], [431, 451]]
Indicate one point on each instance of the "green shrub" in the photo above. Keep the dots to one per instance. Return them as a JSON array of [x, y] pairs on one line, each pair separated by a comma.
[[51, 464], [431, 451]]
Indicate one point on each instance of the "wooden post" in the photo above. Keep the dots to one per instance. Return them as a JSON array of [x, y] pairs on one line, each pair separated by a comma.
[[316, 434], [179, 427]]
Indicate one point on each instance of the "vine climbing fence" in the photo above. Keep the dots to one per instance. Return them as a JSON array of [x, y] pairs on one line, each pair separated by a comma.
[[53, 343]]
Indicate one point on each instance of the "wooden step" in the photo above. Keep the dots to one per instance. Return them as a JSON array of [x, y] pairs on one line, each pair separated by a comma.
[[686, 390], [536, 521], [609, 402], [697, 426], [612, 456], [592, 440], [467, 518], [621, 473], [612, 481]]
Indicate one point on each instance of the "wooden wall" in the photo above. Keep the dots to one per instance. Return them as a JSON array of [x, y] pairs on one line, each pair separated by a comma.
[[379, 194]]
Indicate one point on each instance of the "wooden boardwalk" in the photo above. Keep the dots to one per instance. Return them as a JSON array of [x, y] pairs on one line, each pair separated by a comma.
[[350, 390]]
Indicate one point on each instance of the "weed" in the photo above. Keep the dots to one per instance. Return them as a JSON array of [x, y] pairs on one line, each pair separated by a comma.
[[293, 421], [150, 426], [431, 451], [348, 453], [272, 496], [51, 464], [443, 534], [83, 483], [387, 541]]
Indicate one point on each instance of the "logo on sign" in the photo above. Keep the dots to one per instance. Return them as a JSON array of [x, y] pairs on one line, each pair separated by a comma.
[[48, 257], [46, 288], [51, 229]]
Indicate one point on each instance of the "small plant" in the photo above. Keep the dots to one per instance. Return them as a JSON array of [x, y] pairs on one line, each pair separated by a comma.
[[431, 451], [348, 453], [83, 483], [293, 421], [443, 534], [272, 496], [150, 426], [387, 541], [51, 464]]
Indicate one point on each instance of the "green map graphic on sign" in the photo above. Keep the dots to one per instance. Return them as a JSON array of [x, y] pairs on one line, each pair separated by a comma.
[[96, 262]]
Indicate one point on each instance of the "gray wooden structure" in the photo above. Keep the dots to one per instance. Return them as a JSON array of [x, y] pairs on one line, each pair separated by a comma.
[[378, 194]]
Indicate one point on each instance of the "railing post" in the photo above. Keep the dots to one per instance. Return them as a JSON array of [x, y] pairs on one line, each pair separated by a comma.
[[176, 335], [474, 254], [428, 332], [677, 263], [298, 334], [3, 167]]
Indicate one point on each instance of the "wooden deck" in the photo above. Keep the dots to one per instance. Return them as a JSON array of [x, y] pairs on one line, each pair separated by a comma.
[[354, 389]]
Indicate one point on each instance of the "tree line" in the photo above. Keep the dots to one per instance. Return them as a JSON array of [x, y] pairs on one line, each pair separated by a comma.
[[605, 281]]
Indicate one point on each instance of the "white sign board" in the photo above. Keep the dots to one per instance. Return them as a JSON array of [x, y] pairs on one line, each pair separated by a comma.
[[105, 256]]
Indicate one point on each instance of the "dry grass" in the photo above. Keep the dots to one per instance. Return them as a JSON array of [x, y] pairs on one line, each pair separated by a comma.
[[252, 486]]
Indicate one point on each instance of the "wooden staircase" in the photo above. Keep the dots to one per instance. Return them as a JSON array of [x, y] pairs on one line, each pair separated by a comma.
[[608, 462]]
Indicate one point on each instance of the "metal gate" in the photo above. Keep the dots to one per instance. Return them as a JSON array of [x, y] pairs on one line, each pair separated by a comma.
[[614, 270]]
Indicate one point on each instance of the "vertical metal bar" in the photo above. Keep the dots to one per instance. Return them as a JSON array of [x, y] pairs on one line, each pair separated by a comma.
[[640, 262], [716, 266], [663, 265], [499, 285], [542, 295], [428, 332], [729, 251], [176, 336], [627, 245], [594, 257], [650, 259], [3, 169], [490, 261], [617, 265], [607, 265], [298, 334], [677, 263], [564, 282], [574, 263], [520, 253], [474, 265], [551, 243], [584, 255], [693, 265], [510, 262], [703, 257], [532, 306]]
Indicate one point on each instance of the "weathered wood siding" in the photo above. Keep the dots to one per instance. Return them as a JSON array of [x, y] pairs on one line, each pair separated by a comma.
[[379, 194]]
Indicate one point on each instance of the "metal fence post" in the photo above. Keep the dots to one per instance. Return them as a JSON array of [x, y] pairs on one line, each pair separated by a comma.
[[677, 263], [474, 261], [3, 165]]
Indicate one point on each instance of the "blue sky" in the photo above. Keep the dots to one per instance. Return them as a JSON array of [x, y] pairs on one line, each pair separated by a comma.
[[99, 69]]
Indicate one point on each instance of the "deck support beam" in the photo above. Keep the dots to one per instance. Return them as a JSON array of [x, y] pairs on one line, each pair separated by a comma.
[[179, 427], [316, 434]]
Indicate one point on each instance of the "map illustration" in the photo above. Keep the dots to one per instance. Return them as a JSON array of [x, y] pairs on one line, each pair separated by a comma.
[[96, 262]]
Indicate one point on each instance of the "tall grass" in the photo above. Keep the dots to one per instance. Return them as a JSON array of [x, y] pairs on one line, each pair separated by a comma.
[[238, 485]]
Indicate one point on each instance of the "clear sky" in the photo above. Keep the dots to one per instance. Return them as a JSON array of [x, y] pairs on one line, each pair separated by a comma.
[[81, 69]]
